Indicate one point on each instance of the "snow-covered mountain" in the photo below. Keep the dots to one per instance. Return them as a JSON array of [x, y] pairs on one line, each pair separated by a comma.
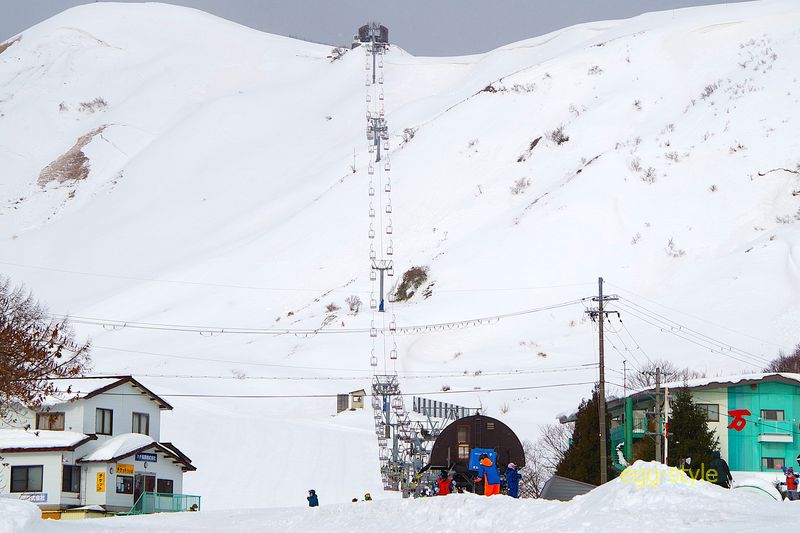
[[160, 165]]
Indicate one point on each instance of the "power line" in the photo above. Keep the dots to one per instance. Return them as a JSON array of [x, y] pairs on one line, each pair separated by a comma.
[[465, 374], [290, 396], [674, 328], [695, 317], [271, 288], [645, 310]]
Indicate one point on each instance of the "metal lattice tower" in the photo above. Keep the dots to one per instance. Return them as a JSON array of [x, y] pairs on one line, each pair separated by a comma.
[[403, 444]]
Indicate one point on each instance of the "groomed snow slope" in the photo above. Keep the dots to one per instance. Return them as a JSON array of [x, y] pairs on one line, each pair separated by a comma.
[[652, 493], [219, 193]]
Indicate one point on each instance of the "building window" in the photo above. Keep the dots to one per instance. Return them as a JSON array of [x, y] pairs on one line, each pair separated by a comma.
[[164, 486], [124, 484], [711, 410], [141, 423], [772, 463], [71, 479], [463, 452], [26, 478], [103, 421], [50, 421], [772, 414]]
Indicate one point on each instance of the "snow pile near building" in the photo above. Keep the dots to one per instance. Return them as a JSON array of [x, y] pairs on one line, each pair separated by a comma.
[[649, 492], [18, 516]]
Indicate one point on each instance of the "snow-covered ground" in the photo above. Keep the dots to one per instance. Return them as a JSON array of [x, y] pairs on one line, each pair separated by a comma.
[[651, 493], [220, 195]]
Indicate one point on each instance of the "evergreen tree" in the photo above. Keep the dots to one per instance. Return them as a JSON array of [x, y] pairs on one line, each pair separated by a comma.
[[690, 435], [581, 461]]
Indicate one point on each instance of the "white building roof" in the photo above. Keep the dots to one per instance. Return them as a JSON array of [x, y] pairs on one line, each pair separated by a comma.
[[12, 440], [727, 381], [119, 446], [76, 388]]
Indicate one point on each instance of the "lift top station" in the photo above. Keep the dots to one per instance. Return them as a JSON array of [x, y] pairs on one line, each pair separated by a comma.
[[373, 33]]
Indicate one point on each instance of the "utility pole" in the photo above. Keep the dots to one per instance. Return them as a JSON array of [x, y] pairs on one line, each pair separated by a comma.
[[600, 314], [666, 424], [658, 415]]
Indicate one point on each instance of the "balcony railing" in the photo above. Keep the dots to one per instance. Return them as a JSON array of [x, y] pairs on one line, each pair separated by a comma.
[[162, 502]]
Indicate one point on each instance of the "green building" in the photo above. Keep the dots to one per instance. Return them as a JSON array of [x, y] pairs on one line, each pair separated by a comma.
[[768, 437]]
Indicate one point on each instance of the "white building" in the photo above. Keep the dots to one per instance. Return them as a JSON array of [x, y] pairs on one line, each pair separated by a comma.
[[100, 450]]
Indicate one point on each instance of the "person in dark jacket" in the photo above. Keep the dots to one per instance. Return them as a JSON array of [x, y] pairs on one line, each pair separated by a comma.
[[724, 477], [487, 472], [313, 501], [512, 480]]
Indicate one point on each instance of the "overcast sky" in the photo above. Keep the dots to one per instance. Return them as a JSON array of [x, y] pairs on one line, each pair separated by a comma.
[[423, 27]]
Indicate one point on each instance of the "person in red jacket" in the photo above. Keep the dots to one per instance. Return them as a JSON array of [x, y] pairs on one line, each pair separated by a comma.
[[488, 473], [445, 484], [791, 482]]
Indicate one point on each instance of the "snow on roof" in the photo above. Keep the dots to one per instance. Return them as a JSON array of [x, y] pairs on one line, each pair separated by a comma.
[[119, 446], [724, 381], [21, 439]]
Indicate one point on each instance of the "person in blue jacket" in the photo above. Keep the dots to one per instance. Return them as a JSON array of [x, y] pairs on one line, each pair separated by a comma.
[[313, 501], [487, 472], [512, 480]]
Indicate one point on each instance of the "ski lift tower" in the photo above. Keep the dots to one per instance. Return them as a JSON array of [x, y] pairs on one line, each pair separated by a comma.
[[377, 37]]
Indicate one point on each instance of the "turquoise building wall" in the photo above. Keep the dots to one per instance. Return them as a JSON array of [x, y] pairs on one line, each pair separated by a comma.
[[745, 452]]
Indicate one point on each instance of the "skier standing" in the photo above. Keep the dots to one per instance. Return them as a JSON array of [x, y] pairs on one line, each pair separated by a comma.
[[487, 472], [313, 501]]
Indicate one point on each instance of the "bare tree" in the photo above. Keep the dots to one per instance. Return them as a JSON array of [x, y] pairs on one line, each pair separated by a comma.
[[34, 349], [536, 472], [785, 362], [353, 303], [645, 377], [555, 442]]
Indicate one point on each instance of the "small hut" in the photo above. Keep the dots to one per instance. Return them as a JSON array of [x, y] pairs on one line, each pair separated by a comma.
[[459, 445]]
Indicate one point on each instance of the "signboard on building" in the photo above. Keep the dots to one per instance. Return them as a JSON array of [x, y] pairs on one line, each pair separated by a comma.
[[124, 469], [100, 485], [149, 457], [34, 497]]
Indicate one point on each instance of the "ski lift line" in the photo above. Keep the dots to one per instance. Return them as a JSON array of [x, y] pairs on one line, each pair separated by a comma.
[[441, 326], [713, 348], [671, 324], [323, 395], [692, 316]]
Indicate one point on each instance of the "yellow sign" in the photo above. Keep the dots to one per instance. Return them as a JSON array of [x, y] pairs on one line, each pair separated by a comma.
[[101, 482], [124, 469]]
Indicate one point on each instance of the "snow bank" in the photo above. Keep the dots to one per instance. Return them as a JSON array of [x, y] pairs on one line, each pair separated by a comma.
[[22, 438], [18, 516], [647, 492]]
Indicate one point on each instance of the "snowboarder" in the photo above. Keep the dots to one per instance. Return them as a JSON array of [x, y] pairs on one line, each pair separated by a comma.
[[488, 473], [368, 497], [791, 482], [512, 479], [445, 484], [724, 476], [313, 501]]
